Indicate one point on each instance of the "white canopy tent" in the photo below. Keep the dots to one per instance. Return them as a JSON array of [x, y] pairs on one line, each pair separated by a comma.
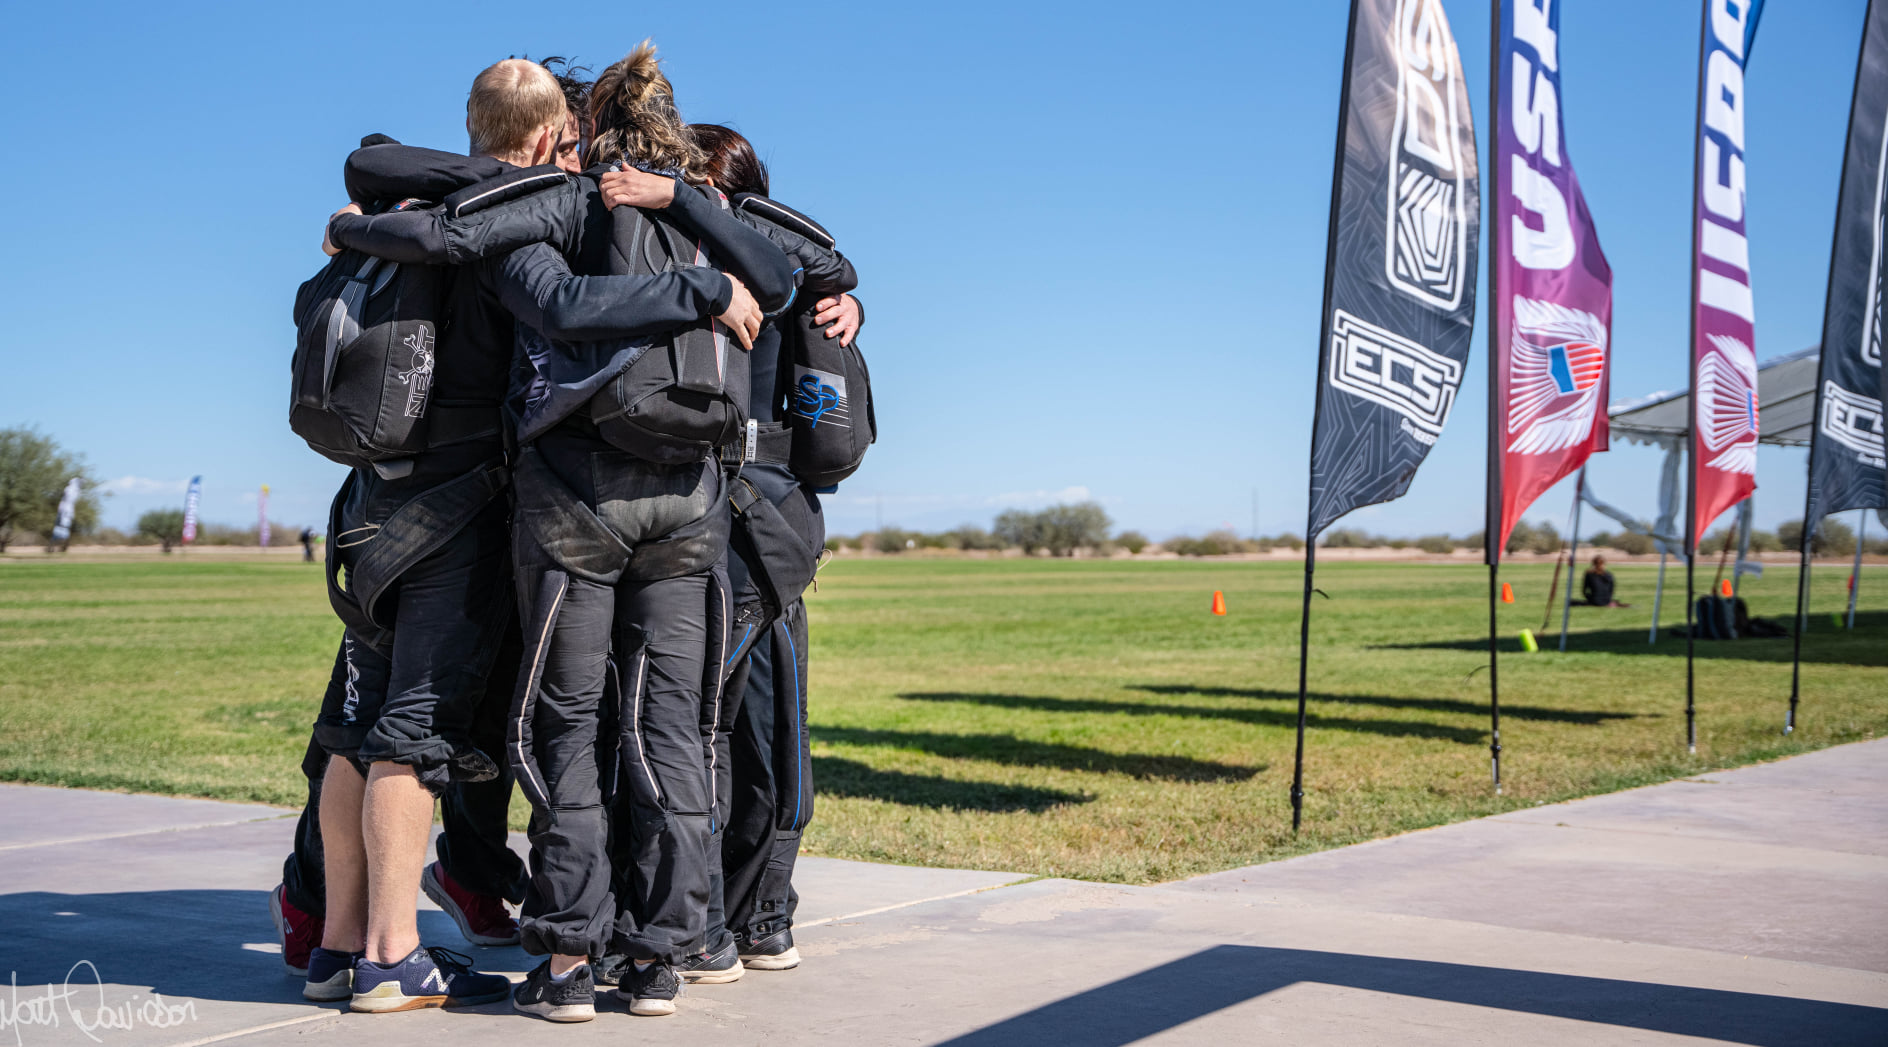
[[1786, 411]]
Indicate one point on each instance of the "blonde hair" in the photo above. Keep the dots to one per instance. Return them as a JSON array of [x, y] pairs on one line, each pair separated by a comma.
[[633, 109], [509, 102]]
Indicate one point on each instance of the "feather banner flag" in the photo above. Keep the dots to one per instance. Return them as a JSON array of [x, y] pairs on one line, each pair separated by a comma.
[[1553, 290], [191, 497], [1400, 265], [1723, 319]]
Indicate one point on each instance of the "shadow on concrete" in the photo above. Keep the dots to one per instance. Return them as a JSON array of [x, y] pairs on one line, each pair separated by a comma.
[[1440, 705], [834, 776], [1163, 997], [185, 944], [1021, 752], [1286, 718], [1823, 644]]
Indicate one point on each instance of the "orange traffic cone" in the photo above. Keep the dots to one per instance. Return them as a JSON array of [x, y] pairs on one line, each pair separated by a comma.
[[1724, 587], [1219, 602], [1507, 593]]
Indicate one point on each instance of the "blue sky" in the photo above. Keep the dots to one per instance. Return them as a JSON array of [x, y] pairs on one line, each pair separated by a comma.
[[1091, 235]]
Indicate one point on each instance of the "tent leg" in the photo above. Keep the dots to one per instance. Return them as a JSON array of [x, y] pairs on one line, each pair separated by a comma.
[[1745, 515], [1855, 574], [1573, 559], [1658, 596]]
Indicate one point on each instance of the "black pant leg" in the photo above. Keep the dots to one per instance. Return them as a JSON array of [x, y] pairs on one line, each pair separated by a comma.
[[474, 816], [665, 799], [569, 906], [303, 879], [772, 796]]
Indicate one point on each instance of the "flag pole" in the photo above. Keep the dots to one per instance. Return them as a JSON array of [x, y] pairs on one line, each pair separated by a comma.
[[1317, 414], [1491, 530], [1304, 641], [1855, 574], [1802, 576], [1573, 557], [1691, 427]]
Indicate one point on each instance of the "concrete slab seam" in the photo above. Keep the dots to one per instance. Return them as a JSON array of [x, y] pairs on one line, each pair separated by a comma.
[[919, 901], [283, 1024], [142, 832]]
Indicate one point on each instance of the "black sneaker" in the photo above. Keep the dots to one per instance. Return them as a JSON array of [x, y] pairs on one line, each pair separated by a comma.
[[609, 971], [330, 975], [572, 1000], [713, 968], [432, 977], [775, 952], [651, 990]]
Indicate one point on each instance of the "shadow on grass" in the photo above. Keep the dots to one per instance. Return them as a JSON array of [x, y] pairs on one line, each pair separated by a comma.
[[1441, 705], [1020, 752], [1822, 644], [833, 776], [1286, 718], [1164, 997]]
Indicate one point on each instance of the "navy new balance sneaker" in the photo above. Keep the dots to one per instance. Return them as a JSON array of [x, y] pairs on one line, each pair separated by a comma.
[[432, 977], [650, 990], [572, 1000], [330, 975], [714, 967]]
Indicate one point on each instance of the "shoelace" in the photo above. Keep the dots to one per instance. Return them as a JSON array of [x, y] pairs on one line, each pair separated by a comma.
[[451, 962]]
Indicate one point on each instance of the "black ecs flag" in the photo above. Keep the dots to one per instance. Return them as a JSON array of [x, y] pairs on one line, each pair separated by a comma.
[[1847, 456], [1399, 285]]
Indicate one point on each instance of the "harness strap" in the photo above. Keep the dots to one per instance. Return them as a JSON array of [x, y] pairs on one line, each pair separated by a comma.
[[414, 531], [771, 443]]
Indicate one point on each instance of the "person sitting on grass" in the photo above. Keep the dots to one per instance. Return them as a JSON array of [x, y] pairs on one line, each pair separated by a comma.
[[1597, 586]]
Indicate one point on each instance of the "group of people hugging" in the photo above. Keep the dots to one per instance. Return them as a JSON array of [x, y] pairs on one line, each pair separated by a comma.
[[548, 596]]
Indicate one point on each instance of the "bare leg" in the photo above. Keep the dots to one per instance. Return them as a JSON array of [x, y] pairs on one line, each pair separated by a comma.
[[397, 818], [344, 862]]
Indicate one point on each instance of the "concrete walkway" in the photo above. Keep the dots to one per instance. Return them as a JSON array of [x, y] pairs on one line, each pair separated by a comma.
[[1745, 907]]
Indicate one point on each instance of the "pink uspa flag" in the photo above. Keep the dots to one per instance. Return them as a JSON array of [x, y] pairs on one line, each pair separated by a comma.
[[1723, 322], [1553, 299]]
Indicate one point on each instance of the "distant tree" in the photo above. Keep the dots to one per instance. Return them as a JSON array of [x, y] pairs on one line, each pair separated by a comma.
[[1020, 528], [1833, 538], [1436, 543], [1290, 541], [893, 540], [1132, 541], [1214, 543], [1546, 539], [1067, 528], [1764, 542], [1350, 538], [1520, 537], [1631, 543], [33, 476], [165, 525], [970, 536]]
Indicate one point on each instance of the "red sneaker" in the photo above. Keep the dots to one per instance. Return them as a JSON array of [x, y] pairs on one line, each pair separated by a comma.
[[300, 932], [482, 918]]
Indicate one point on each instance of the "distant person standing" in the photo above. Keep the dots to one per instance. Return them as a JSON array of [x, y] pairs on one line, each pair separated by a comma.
[[308, 545], [1597, 585]]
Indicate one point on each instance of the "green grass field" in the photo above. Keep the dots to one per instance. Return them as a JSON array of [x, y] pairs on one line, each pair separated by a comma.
[[1074, 718]]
